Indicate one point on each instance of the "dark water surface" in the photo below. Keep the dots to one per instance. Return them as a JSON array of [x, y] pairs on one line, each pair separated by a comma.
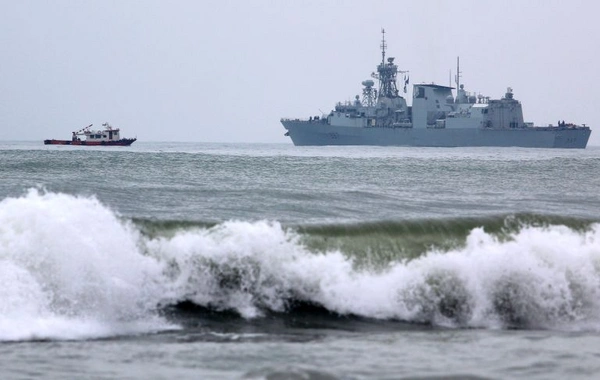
[[165, 260]]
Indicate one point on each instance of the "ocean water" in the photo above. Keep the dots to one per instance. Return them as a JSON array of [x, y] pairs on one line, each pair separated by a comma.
[[250, 261]]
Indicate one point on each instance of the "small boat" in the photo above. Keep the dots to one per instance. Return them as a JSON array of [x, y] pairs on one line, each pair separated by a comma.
[[107, 136]]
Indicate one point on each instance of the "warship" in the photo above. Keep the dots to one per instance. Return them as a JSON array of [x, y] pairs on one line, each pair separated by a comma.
[[436, 118]]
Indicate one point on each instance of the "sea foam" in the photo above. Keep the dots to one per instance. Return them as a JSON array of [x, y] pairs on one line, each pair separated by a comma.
[[537, 277], [71, 268]]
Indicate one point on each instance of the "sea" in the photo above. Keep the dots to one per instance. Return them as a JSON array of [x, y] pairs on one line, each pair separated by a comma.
[[269, 261]]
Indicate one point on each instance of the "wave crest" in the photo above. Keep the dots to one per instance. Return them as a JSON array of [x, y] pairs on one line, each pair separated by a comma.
[[538, 277], [71, 268]]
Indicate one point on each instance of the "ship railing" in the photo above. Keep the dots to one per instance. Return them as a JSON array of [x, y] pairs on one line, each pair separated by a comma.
[[565, 127], [311, 119]]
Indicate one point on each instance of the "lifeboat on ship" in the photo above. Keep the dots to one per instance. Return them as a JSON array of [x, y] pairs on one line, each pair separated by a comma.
[[107, 136]]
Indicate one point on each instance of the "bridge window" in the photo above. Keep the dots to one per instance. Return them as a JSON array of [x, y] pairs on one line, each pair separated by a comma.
[[420, 93]]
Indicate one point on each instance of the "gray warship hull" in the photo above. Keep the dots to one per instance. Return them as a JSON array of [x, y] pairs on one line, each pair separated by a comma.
[[304, 133]]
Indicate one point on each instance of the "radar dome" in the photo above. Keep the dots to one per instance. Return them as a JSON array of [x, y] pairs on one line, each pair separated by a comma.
[[368, 83]]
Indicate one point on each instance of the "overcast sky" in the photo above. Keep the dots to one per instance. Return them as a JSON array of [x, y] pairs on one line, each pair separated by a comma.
[[227, 71]]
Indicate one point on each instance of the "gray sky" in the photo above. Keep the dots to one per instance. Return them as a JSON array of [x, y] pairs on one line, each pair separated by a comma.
[[227, 71]]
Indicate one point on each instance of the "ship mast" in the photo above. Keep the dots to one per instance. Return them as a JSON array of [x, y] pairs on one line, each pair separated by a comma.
[[383, 46], [386, 73], [458, 73]]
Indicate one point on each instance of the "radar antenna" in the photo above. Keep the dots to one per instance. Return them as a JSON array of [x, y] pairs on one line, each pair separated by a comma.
[[369, 93]]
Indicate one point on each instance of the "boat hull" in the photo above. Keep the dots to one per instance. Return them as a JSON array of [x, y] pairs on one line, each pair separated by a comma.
[[320, 133], [121, 142]]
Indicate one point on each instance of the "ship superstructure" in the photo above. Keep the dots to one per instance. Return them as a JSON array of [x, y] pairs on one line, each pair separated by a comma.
[[435, 118]]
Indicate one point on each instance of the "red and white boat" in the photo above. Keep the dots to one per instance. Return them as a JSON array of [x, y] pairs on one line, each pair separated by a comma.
[[104, 137]]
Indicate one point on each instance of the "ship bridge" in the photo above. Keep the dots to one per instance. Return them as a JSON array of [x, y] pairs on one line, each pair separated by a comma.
[[430, 103]]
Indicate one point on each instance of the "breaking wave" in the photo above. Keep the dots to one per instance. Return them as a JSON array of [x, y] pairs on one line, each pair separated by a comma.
[[70, 268]]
